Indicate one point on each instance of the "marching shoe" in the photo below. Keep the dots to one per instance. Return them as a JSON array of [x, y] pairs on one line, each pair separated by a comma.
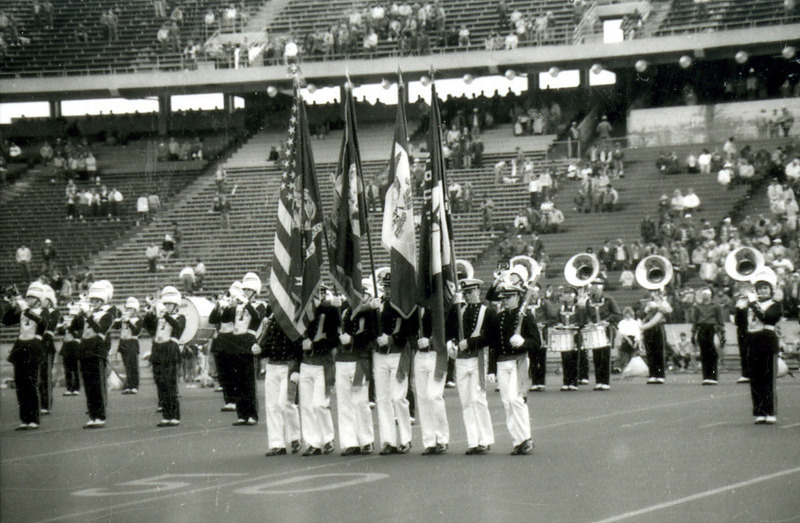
[[134, 391], [44, 411], [125, 391], [351, 451], [450, 385], [22, 426], [706, 382], [296, 446], [388, 449], [312, 451], [606, 386], [429, 451], [760, 420], [412, 420], [534, 388], [230, 407], [440, 448], [564, 388], [652, 381], [523, 448], [251, 421], [660, 381], [34, 426], [239, 422], [372, 404], [743, 380], [404, 448], [328, 447], [472, 450], [99, 424], [367, 449], [160, 409], [599, 386], [67, 393], [583, 382], [573, 388], [769, 420], [481, 449], [712, 382], [277, 451], [89, 424], [163, 423], [174, 422]]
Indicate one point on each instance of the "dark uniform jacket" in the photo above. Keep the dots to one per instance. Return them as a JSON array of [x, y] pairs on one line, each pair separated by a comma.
[[499, 332]]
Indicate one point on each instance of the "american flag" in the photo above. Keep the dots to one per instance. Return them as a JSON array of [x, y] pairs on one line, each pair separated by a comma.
[[349, 219], [437, 274], [297, 259], [398, 234]]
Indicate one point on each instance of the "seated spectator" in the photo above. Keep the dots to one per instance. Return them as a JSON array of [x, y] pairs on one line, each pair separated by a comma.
[[115, 200], [167, 246], [792, 172], [725, 175], [627, 278], [676, 203], [154, 203], [199, 274], [704, 162], [747, 171], [152, 254], [522, 222], [609, 198], [691, 202], [730, 149], [692, 166], [188, 280]]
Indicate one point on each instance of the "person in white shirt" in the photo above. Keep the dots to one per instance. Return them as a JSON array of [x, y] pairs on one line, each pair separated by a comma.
[[629, 330], [290, 52], [691, 202], [24, 257], [704, 162], [142, 210], [793, 171]]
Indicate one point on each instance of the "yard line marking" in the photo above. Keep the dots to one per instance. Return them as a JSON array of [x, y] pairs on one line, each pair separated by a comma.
[[717, 424], [636, 424], [700, 495], [790, 426]]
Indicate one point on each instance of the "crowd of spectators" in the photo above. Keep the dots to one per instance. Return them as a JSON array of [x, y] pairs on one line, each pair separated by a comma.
[[173, 150], [94, 201]]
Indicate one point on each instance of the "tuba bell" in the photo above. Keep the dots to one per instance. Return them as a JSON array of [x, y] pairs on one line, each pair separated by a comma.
[[654, 272], [464, 269], [526, 268], [742, 263], [581, 269]]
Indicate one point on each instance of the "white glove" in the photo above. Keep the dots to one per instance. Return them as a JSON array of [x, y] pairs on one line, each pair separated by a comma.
[[462, 345], [85, 308], [336, 302], [452, 350], [516, 341], [22, 304], [423, 343], [295, 377], [345, 339], [383, 340], [491, 379], [307, 345], [256, 349]]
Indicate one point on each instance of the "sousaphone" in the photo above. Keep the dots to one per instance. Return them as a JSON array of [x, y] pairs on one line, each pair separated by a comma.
[[654, 272], [742, 263], [582, 269]]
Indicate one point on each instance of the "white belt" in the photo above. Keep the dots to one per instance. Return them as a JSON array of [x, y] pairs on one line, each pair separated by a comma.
[[762, 328]]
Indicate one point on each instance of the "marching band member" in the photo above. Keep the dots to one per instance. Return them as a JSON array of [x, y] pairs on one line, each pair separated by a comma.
[[544, 310], [222, 316], [759, 314], [390, 367], [95, 320], [470, 365], [28, 350], [430, 392], [707, 320], [571, 316], [70, 349], [49, 354], [360, 328], [280, 387], [322, 337], [508, 363], [653, 335], [240, 360], [165, 356], [602, 311], [130, 325]]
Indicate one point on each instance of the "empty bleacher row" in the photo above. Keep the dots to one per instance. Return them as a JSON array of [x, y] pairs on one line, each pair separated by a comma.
[[688, 16]]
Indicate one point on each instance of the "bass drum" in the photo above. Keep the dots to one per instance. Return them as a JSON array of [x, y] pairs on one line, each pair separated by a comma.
[[196, 311]]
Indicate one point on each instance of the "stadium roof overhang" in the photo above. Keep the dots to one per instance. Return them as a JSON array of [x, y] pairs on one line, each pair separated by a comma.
[[707, 46]]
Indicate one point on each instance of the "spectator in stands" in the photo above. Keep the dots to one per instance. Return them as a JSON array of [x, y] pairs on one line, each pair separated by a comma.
[[49, 255], [152, 254], [71, 194], [153, 203], [24, 256], [725, 175], [199, 274], [609, 199], [46, 153], [162, 37], [142, 210], [167, 246], [188, 280], [730, 149], [786, 121], [222, 205], [291, 52], [115, 200], [487, 211], [160, 9], [691, 202], [604, 129], [209, 22], [522, 223], [81, 34]]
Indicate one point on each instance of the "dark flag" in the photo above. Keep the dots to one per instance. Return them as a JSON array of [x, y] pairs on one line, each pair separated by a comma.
[[297, 258], [349, 220], [397, 234], [437, 275]]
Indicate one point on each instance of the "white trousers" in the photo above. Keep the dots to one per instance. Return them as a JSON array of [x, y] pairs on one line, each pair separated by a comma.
[[391, 401], [430, 400], [352, 405], [315, 411], [474, 407], [518, 419], [283, 418]]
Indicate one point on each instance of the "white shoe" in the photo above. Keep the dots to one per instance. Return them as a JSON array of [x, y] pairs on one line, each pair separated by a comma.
[[652, 380], [660, 381], [573, 388], [33, 426], [606, 386], [770, 420], [174, 422], [99, 423], [134, 391], [761, 420], [599, 386], [229, 407], [743, 380], [583, 382], [564, 388]]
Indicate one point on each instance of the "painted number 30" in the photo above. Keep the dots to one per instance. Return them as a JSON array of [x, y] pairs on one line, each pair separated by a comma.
[[295, 485]]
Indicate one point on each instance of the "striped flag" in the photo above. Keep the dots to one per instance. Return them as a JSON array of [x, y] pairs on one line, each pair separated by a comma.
[[297, 259], [437, 275], [397, 234], [349, 219]]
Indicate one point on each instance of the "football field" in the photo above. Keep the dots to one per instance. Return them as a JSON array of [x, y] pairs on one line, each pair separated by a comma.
[[676, 452]]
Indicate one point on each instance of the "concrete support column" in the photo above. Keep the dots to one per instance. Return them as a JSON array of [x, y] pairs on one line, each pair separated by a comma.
[[164, 112], [55, 108]]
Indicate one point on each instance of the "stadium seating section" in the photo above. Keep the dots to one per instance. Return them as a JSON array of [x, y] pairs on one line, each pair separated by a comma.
[[688, 16]]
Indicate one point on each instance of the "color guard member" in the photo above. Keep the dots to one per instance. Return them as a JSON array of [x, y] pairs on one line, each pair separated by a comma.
[[96, 320], [508, 363], [240, 361], [222, 316], [280, 387], [130, 325], [360, 327], [28, 350], [165, 356], [390, 366], [429, 384], [470, 365]]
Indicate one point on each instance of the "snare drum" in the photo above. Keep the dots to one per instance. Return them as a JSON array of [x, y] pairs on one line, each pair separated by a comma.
[[594, 337], [560, 339]]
